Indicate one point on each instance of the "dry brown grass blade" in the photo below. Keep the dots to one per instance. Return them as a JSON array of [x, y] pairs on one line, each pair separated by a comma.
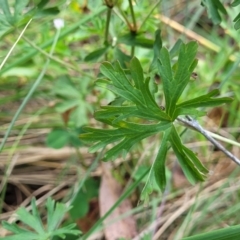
[[110, 191], [35, 154]]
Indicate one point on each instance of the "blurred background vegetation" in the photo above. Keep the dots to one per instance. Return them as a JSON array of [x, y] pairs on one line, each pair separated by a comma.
[[43, 155]]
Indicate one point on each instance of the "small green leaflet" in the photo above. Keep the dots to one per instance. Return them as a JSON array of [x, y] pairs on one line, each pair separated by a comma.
[[214, 8], [136, 115], [35, 229]]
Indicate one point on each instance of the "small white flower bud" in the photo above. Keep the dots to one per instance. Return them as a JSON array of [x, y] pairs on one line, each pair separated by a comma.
[[58, 23]]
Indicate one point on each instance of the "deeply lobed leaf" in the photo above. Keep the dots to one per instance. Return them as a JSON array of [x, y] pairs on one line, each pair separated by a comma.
[[55, 212], [135, 104]]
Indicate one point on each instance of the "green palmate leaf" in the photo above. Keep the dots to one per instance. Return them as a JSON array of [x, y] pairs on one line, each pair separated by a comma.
[[55, 214], [159, 164], [177, 77], [135, 103]]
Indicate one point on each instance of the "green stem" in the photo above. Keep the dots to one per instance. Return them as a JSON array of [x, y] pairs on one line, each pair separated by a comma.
[[82, 181], [149, 14], [57, 60], [118, 202], [132, 51], [32, 90], [14, 45], [223, 139], [86, 175], [81, 158], [109, 12], [122, 16], [134, 28]]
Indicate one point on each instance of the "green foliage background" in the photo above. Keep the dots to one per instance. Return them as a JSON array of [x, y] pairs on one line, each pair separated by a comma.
[[144, 87]]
